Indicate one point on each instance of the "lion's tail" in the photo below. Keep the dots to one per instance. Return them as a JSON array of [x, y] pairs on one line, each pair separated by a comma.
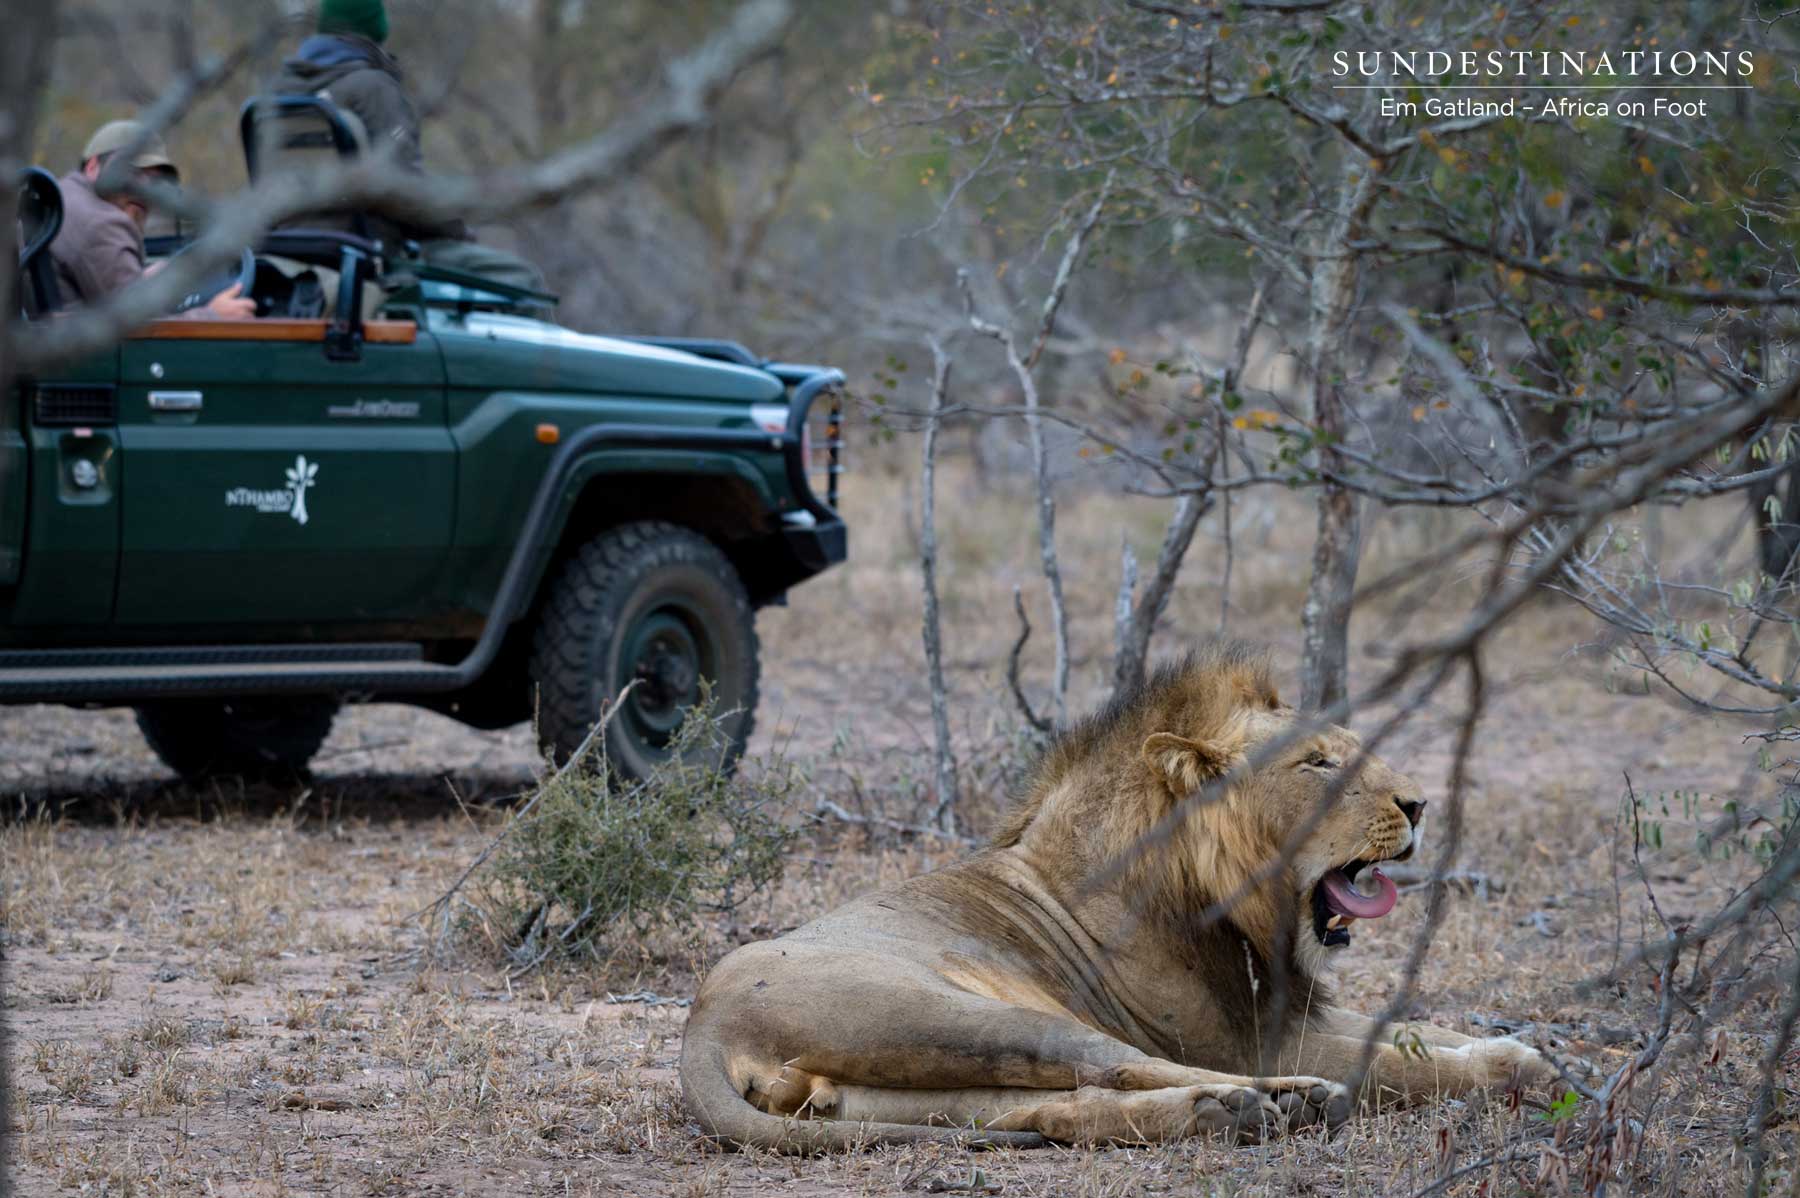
[[730, 1119]]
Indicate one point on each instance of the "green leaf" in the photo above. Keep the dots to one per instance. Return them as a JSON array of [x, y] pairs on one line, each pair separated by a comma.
[[1563, 1108]]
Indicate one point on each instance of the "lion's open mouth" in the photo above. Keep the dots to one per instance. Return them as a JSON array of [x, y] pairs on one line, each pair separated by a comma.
[[1337, 903]]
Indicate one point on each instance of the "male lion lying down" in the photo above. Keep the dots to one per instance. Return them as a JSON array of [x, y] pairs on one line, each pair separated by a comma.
[[1026, 992]]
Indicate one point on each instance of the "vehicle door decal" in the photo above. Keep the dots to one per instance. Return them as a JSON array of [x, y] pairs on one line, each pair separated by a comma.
[[289, 500]]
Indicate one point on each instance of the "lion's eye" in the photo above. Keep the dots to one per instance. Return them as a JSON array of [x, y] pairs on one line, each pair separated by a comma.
[[1319, 761]]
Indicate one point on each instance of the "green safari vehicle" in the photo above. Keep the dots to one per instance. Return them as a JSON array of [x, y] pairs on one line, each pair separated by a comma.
[[428, 493]]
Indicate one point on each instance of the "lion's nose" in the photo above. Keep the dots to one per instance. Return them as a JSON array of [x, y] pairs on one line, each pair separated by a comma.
[[1412, 809]]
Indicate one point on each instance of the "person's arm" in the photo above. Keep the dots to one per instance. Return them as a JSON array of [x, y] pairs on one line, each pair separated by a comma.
[[382, 105]]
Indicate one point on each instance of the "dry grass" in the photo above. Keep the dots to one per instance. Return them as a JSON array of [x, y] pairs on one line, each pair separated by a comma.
[[223, 993]]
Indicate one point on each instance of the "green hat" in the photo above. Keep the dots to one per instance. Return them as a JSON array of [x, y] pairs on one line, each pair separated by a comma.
[[365, 18]]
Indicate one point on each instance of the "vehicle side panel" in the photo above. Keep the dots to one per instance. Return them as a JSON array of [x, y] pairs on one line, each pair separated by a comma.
[[71, 540]]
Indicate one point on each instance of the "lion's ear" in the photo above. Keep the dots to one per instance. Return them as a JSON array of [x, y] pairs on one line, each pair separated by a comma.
[[1183, 764]]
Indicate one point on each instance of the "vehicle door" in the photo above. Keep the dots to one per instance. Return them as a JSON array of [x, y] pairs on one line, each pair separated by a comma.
[[272, 484]]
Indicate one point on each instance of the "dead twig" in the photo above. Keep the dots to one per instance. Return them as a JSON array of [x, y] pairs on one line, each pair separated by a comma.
[[826, 808], [1409, 877], [1012, 666], [648, 998]]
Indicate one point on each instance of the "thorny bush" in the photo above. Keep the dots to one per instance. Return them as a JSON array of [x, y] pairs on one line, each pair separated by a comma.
[[593, 855]]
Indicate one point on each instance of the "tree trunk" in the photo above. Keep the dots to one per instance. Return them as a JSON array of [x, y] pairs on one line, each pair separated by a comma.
[[1777, 516], [944, 816], [1325, 618], [549, 61], [1046, 505]]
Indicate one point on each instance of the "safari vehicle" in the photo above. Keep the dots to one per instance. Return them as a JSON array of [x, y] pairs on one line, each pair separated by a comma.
[[429, 494]]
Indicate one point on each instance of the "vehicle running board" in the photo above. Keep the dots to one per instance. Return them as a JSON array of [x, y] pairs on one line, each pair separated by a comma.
[[121, 674], [205, 655]]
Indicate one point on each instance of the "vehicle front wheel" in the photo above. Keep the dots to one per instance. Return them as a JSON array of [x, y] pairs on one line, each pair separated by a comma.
[[264, 738], [658, 605]]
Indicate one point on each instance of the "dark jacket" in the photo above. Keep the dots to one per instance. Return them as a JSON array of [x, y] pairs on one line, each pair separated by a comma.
[[360, 77], [356, 75], [99, 248]]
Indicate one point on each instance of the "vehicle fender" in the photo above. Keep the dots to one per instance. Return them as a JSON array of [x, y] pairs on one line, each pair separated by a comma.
[[611, 463]]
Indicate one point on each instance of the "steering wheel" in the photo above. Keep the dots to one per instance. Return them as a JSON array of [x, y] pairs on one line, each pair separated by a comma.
[[242, 272]]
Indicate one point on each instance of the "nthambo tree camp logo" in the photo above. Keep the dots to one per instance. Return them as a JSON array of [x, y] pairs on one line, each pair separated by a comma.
[[289, 500]]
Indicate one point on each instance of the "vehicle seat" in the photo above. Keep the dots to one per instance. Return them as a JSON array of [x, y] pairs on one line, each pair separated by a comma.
[[284, 134], [298, 134], [40, 214], [300, 289]]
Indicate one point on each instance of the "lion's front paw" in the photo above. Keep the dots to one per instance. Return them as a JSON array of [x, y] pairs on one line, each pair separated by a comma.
[[1235, 1113], [1310, 1102], [1506, 1063]]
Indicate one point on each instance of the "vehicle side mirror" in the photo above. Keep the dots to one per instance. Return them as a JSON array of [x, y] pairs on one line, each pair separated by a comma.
[[344, 336]]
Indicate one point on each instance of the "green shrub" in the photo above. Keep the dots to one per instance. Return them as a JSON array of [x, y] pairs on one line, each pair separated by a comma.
[[591, 857]]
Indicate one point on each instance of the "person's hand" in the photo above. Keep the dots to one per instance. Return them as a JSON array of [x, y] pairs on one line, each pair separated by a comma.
[[232, 304]]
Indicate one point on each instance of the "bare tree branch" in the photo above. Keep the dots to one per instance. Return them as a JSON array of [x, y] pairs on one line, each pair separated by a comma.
[[1195, 501], [1022, 372]]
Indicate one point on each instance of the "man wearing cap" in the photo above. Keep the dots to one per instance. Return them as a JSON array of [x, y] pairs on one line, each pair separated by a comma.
[[101, 246], [345, 64]]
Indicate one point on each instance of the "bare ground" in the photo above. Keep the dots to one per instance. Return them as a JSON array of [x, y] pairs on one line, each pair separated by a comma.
[[222, 990]]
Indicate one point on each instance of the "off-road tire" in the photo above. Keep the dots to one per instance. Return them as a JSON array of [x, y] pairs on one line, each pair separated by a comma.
[[264, 739], [650, 591]]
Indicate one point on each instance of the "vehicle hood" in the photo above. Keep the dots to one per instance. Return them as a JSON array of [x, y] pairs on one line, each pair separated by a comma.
[[534, 354]]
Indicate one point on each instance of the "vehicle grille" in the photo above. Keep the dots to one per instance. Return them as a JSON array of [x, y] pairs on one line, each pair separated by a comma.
[[58, 404]]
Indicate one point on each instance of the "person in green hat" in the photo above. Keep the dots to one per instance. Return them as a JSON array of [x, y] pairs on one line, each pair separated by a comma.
[[100, 248], [344, 63]]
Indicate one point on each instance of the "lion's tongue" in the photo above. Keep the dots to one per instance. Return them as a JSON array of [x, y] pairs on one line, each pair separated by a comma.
[[1343, 898]]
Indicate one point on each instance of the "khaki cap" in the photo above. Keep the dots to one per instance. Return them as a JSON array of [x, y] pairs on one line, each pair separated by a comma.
[[116, 135]]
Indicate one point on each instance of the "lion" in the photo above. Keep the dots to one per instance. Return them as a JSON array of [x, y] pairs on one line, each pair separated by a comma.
[[1103, 972]]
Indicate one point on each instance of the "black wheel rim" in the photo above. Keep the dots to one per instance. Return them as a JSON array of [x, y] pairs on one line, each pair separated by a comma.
[[666, 652]]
